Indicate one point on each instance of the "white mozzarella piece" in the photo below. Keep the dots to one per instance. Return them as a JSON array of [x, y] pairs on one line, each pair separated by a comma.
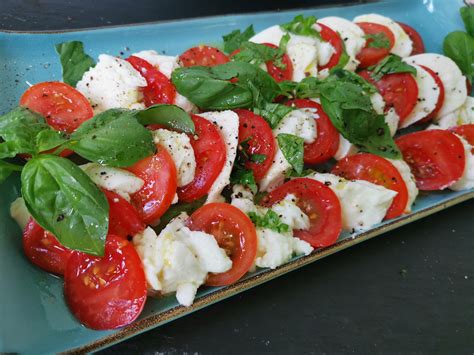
[[112, 83], [391, 117], [20, 213], [180, 148], [363, 204], [459, 117], [428, 94], [455, 91], [467, 179], [325, 51], [291, 214], [228, 124], [403, 44], [120, 181], [300, 123], [345, 149], [409, 179]]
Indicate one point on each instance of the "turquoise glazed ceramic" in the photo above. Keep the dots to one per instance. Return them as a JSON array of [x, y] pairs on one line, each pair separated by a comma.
[[34, 317]]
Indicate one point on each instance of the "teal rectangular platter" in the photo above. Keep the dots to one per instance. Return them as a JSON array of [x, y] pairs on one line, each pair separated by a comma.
[[34, 317]]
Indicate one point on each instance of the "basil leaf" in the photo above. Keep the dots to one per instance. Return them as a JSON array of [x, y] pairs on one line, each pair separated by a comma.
[[65, 201], [459, 46], [306, 88], [351, 77], [292, 148], [272, 113], [302, 26], [244, 177], [113, 137], [467, 14], [258, 158], [170, 116], [284, 42], [257, 54], [377, 40], [270, 220], [18, 129], [234, 40], [6, 169], [176, 209], [74, 61], [305, 172], [49, 138], [390, 65]]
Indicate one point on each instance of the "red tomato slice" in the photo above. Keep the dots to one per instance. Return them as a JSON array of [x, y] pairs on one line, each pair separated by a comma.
[[155, 197], [63, 107], [327, 142], [377, 170], [234, 232], [399, 91], [203, 55], [321, 205], [335, 40], [258, 136], [210, 153], [159, 89], [418, 45], [106, 292], [467, 132], [44, 250], [436, 158], [440, 101], [124, 220], [370, 56]]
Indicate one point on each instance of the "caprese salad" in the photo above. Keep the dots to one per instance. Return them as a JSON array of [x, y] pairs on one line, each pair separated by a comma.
[[157, 174]]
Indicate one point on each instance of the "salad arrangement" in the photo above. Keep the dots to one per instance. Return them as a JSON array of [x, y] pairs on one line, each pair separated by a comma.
[[157, 174]]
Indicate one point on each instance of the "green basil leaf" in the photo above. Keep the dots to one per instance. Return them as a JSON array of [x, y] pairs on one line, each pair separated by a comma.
[[244, 177], [65, 201], [302, 26], [234, 40], [74, 61], [6, 169], [270, 220], [306, 88], [258, 158], [467, 15], [377, 40], [351, 77], [272, 113], [292, 173], [390, 65], [284, 42], [292, 148], [49, 138], [170, 116], [113, 137], [257, 54], [176, 209], [459, 46]]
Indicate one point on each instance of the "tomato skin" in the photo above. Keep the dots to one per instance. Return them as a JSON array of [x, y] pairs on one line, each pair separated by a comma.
[[467, 132], [63, 107], [280, 74], [321, 205], [203, 55], [234, 231], [106, 292], [124, 220], [418, 45], [335, 40], [377, 170], [327, 140], [436, 158], [259, 136], [210, 153], [159, 89], [44, 250], [440, 101], [155, 197], [371, 56]]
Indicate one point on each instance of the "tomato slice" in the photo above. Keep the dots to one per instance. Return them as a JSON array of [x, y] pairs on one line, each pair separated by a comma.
[[335, 40], [440, 101], [418, 45], [124, 220], [377, 170], [327, 141], [155, 197], [44, 250], [258, 138], [203, 55], [399, 91], [210, 153], [63, 107], [106, 292], [234, 232], [467, 132], [321, 205], [436, 158], [370, 56]]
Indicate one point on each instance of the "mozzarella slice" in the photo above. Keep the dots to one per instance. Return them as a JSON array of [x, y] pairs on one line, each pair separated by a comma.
[[345, 149], [409, 179], [467, 179], [461, 116], [228, 124], [180, 148], [363, 204], [300, 123], [20, 213], [455, 91], [403, 45], [391, 117], [120, 181], [112, 83]]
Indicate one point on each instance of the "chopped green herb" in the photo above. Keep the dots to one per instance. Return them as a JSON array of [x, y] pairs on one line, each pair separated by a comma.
[[270, 220]]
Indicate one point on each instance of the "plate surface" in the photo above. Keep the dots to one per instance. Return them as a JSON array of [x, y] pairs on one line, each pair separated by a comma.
[[33, 302]]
